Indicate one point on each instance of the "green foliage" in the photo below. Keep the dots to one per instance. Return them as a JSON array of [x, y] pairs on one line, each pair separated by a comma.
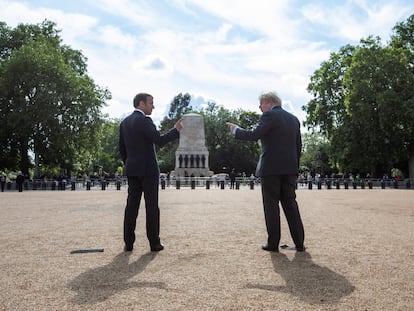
[[326, 111], [107, 156], [315, 154], [49, 106], [363, 103], [225, 152], [179, 106]]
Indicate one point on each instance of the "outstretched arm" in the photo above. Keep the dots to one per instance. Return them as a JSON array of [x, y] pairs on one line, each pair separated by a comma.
[[265, 123], [232, 127], [156, 137]]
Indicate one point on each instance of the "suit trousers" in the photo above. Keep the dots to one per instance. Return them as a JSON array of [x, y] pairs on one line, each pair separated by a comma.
[[138, 185], [275, 189]]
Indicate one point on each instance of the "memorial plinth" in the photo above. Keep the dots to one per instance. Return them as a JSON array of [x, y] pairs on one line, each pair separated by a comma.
[[191, 157]]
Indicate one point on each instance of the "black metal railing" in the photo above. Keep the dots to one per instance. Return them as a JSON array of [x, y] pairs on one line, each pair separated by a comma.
[[208, 183]]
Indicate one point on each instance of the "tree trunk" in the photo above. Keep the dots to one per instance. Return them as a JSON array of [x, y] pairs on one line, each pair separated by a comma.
[[36, 157], [411, 167], [24, 159], [37, 166]]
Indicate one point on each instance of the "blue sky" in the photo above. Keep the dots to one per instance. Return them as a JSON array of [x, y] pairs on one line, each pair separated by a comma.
[[226, 51]]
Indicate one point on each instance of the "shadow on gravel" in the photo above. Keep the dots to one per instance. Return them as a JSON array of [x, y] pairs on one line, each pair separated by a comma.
[[100, 283], [306, 280]]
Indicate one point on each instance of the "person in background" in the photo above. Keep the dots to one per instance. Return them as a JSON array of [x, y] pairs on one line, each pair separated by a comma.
[[2, 181], [20, 181]]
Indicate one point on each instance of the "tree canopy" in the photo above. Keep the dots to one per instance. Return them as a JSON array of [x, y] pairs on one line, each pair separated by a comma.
[[363, 103], [49, 107], [224, 152]]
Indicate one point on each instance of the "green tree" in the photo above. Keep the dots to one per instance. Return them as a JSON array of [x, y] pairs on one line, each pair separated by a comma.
[[379, 99], [49, 106], [326, 111], [108, 156], [363, 103], [403, 40], [179, 106], [226, 153], [403, 37], [315, 154]]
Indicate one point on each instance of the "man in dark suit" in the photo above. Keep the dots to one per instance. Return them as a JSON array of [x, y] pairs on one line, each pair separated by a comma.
[[137, 136], [278, 166], [20, 181]]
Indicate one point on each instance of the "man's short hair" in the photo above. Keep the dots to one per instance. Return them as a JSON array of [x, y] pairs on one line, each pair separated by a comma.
[[271, 97], [140, 97]]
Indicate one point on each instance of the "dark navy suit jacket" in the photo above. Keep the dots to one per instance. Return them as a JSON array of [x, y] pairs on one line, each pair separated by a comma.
[[279, 133], [137, 136]]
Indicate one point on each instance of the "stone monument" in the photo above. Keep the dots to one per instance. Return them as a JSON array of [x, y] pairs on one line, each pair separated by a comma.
[[191, 157]]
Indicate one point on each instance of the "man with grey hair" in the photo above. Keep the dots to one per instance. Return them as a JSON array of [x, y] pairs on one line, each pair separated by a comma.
[[278, 167]]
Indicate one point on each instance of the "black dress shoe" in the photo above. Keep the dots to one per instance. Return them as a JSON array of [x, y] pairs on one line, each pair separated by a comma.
[[157, 247], [300, 248], [128, 248], [268, 248]]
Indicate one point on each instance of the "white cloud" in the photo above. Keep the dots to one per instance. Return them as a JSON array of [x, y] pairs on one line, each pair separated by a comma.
[[244, 48], [113, 36], [266, 17], [354, 20], [223, 31], [154, 64], [134, 12], [72, 25]]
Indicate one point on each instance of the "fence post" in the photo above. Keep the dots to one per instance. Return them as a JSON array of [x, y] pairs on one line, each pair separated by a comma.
[[251, 185]]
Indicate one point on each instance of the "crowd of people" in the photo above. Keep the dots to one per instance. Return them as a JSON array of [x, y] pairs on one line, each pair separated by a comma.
[[20, 182]]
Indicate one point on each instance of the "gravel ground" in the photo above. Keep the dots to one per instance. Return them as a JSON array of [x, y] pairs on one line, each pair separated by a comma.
[[359, 252]]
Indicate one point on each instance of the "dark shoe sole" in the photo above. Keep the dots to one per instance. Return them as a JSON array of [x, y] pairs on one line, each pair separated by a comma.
[[266, 247], [293, 248], [157, 248]]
